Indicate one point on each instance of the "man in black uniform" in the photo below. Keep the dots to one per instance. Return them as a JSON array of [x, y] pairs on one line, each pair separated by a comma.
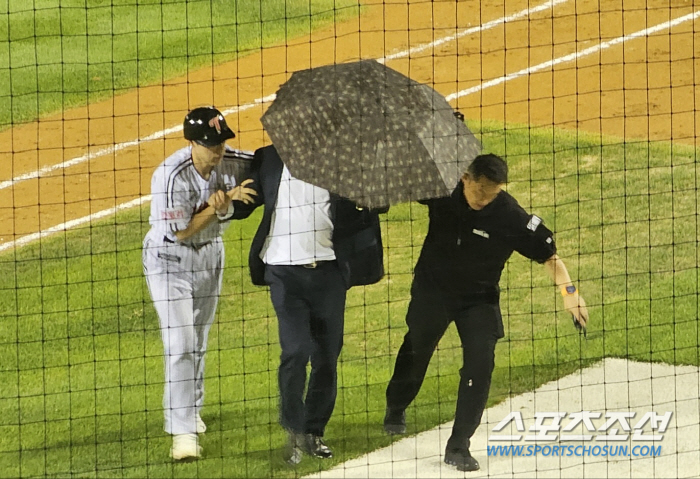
[[471, 235]]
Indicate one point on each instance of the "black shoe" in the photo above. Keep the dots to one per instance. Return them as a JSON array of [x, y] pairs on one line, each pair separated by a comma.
[[395, 421], [293, 449], [461, 459], [314, 446]]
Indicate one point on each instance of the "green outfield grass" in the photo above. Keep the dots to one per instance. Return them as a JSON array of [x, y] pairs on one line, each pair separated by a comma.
[[82, 364], [57, 54]]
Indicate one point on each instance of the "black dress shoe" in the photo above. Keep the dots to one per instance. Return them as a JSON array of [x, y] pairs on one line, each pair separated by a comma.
[[395, 421], [461, 459], [292, 453], [314, 446]]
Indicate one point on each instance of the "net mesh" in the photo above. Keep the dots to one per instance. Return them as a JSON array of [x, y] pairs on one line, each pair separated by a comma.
[[594, 106]]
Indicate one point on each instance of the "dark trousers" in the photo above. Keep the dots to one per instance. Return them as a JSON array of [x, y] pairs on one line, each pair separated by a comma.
[[310, 307], [479, 325]]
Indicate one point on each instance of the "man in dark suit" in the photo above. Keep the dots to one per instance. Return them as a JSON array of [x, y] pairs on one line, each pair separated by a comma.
[[311, 246]]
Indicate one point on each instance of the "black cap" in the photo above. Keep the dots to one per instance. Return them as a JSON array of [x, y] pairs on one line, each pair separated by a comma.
[[206, 125]]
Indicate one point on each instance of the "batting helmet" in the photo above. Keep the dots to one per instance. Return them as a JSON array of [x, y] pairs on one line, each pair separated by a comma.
[[206, 126]]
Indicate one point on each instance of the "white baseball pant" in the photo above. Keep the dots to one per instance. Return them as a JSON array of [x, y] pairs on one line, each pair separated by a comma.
[[184, 284]]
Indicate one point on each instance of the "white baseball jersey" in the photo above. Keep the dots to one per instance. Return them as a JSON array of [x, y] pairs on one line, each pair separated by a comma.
[[178, 191]]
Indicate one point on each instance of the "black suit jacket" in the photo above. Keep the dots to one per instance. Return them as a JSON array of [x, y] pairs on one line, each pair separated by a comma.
[[357, 239]]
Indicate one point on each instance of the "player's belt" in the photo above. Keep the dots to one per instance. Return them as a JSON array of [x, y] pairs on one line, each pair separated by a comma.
[[194, 246], [316, 264]]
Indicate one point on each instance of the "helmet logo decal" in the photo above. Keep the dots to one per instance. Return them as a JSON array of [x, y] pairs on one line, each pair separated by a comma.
[[206, 125], [214, 123]]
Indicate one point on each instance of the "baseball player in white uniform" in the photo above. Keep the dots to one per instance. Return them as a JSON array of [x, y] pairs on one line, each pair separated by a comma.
[[183, 259]]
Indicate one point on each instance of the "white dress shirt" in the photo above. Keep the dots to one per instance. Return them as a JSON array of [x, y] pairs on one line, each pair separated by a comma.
[[301, 230]]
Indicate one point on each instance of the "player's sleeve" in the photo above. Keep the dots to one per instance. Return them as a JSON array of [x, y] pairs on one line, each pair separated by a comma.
[[235, 168], [530, 237], [237, 165], [244, 210], [171, 205]]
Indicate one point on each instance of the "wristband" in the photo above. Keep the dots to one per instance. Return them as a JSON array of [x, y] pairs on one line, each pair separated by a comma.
[[568, 290]]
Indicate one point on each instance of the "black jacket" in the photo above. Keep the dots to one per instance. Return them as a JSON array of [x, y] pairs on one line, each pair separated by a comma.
[[465, 250], [357, 240]]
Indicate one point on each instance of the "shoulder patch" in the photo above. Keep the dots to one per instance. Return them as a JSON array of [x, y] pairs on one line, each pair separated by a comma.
[[534, 222], [170, 214]]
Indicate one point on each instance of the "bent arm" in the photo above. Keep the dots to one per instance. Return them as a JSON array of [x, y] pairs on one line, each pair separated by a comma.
[[218, 204], [198, 222]]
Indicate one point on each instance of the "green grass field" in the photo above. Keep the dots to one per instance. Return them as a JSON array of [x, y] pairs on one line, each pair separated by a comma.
[[82, 358], [58, 54]]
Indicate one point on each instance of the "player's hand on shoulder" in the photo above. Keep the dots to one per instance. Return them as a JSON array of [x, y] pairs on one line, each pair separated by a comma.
[[242, 192]]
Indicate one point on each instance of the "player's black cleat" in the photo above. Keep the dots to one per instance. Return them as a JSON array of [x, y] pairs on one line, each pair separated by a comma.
[[314, 446], [461, 459], [395, 421]]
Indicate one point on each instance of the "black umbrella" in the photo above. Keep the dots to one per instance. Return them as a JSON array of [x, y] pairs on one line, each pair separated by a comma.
[[369, 133]]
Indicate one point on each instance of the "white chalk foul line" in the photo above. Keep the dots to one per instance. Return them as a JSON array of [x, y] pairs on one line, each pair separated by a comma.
[[118, 147], [469, 31], [267, 99], [567, 58], [74, 223], [574, 56]]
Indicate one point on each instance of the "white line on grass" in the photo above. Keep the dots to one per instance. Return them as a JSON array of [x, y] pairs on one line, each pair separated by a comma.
[[160, 134], [74, 223], [566, 58]]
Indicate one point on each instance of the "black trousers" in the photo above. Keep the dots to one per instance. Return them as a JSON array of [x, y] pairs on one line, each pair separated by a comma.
[[479, 325], [310, 307]]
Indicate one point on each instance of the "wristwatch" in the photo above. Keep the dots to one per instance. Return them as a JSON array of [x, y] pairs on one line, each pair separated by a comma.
[[568, 290]]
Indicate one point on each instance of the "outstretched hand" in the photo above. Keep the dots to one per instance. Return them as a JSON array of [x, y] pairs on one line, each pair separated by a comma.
[[242, 193], [575, 305]]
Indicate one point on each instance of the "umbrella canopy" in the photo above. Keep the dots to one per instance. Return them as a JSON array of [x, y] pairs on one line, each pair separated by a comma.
[[369, 133]]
